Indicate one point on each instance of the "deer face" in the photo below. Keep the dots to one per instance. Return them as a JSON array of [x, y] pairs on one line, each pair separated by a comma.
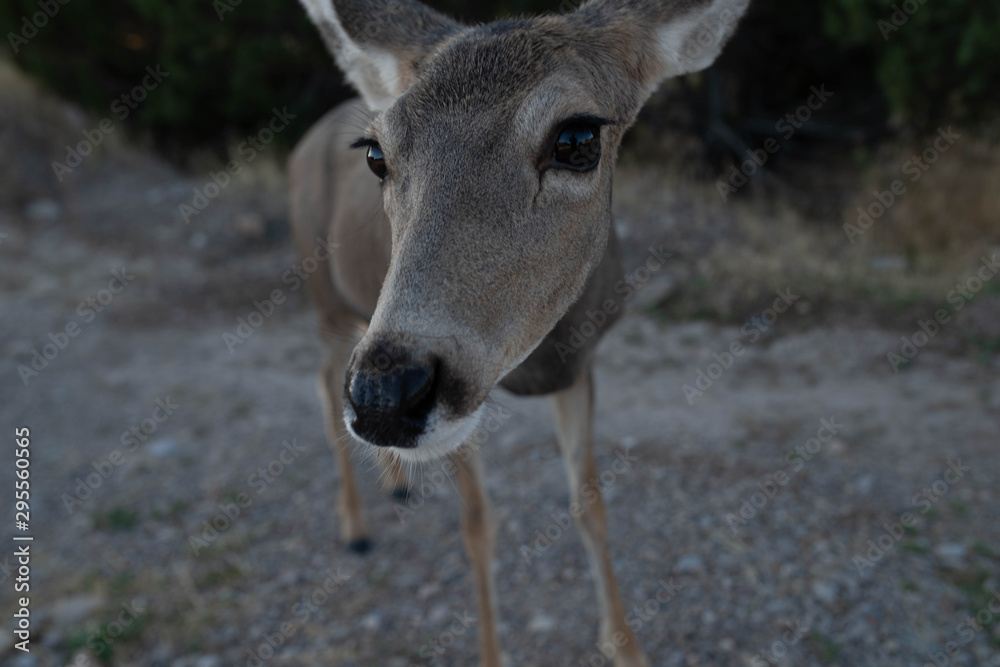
[[495, 148]]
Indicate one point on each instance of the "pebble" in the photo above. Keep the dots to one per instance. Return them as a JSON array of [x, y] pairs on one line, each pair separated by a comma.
[[541, 623], [372, 621], [250, 225], [825, 591], [43, 210], [428, 590], [888, 263], [70, 612], [951, 553], [198, 240], [163, 447], [689, 564], [198, 661]]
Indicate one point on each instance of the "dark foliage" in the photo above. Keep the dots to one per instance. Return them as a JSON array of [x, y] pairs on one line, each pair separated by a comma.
[[230, 62]]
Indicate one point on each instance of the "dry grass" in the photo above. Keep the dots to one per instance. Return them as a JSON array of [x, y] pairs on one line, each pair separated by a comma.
[[733, 255], [951, 207]]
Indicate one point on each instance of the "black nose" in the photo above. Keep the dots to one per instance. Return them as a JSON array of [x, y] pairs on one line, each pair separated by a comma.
[[391, 406]]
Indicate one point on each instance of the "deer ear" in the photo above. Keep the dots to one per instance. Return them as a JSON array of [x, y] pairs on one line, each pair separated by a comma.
[[692, 41], [667, 38], [379, 44]]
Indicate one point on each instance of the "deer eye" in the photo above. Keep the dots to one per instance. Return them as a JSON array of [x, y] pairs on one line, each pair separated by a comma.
[[376, 161], [578, 146]]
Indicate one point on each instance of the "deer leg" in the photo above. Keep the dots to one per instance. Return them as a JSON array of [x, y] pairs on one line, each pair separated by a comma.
[[574, 414], [480, 533], [331, 389]]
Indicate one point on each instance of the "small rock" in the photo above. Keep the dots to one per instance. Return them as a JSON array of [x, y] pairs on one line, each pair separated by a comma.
[[689, 564], [864, 484], [198, 240], [952, 553], [197, 661], [372, 621], [622, 228], [250, 226], [288, 578], [43, 210], [437, 614], [166, 534], [541, 623], [836, 447], [84, 658], [69, 613], [162, 447], [888, 263], [825, 591], [155, 196], [428, 590]]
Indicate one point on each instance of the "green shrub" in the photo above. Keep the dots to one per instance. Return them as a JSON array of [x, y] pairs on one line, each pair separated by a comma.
[[933, 59], [230, 62], [227, 69]]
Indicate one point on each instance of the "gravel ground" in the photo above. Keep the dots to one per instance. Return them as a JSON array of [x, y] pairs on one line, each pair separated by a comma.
[[755, 524]]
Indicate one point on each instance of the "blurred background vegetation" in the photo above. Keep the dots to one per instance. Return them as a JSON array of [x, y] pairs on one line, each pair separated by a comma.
[[232, 61], [898, 70]]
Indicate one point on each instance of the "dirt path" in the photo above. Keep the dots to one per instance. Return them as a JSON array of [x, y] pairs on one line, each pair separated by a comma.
[[753, 524], [880, 440]]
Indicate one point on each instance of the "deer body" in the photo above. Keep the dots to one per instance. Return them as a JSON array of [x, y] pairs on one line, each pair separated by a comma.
[[482, 240]]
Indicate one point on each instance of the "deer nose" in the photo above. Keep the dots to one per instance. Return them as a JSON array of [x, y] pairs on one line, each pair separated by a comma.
[[391, 406]]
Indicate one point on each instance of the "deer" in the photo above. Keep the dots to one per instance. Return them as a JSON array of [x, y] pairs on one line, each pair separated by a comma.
[[469, 194]]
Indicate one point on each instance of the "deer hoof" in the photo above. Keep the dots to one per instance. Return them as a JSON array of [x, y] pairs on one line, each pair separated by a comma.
[[360, 545]]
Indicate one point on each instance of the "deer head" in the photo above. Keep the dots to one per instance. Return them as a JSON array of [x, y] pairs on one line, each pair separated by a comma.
[[495, 148]]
